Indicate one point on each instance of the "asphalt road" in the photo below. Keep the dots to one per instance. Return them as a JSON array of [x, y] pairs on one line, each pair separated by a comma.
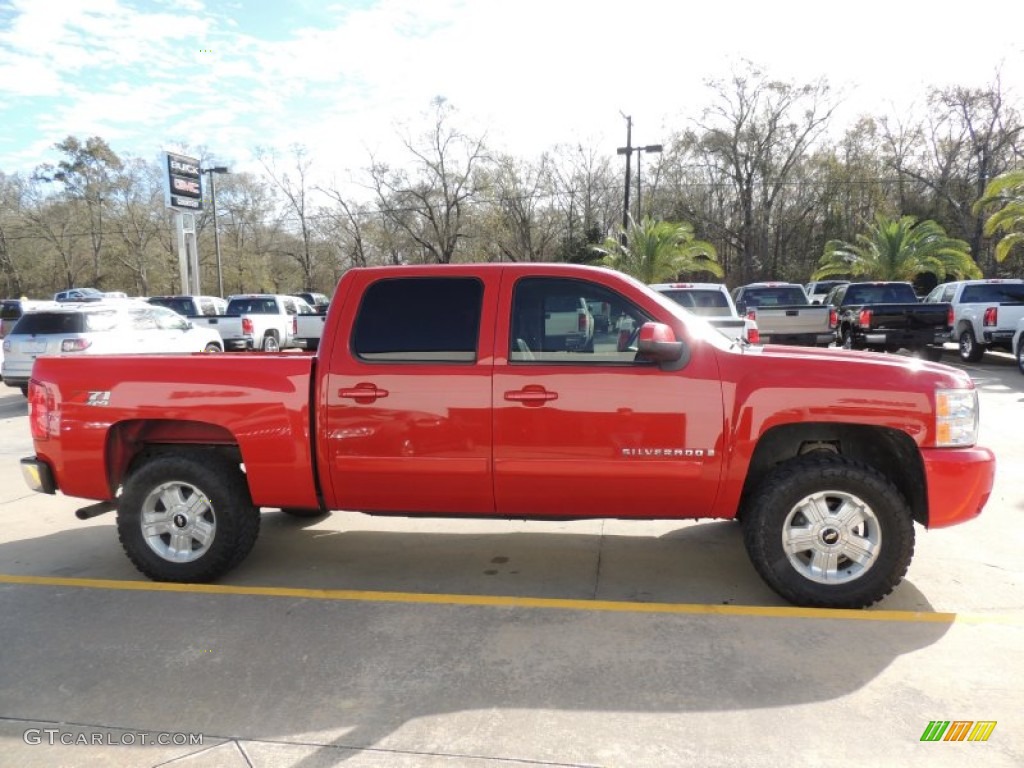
[[393, 642]]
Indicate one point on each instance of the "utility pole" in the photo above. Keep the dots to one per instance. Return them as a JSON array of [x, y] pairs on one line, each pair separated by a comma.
[[628, 152]]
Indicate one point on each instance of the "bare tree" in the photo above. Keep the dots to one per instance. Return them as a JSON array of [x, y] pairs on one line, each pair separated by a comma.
[[294, 185], [428, 200], [753, 138]]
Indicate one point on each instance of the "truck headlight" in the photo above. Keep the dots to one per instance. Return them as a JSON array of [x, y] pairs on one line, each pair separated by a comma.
[[956, 417]]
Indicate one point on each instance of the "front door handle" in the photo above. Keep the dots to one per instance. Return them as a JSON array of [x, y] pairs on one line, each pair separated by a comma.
[[532, 395], [363, 393]]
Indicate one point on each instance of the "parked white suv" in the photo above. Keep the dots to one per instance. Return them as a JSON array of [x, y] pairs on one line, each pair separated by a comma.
[[123, 327]]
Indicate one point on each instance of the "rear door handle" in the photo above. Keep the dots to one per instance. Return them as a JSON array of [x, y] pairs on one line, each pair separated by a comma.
[[531, 396], [363, 393]]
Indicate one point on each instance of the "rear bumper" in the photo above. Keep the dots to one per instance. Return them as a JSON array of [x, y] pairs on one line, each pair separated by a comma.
[[906, 339], [959, 482], [38, 475], [798, 339]]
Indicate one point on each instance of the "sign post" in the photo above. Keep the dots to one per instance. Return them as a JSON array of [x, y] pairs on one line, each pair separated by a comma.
[[183, 194]]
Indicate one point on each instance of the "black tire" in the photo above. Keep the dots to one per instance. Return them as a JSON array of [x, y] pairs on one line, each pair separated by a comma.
[[24, 389], [970, 350], [301, 512], [879, 531], [212, 348], [932, 354], [270, 343], [1020, 354], [846, 339], [194, 500]]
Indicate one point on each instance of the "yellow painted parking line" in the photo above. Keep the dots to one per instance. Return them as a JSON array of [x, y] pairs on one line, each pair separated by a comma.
[[504, 601]]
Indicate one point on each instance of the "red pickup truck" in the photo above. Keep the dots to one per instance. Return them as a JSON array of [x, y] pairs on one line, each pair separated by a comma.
[[442, 391]]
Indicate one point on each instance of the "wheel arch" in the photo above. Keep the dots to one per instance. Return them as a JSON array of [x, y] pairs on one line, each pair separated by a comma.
[[890, 451], [131, 443]]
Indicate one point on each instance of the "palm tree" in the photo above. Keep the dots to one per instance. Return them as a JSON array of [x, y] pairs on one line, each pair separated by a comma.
[[1008, 191], [655, 251], [899, 249]]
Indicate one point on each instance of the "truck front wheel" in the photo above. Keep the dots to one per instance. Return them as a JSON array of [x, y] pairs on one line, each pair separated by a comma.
[[826, 531], [186, 518]]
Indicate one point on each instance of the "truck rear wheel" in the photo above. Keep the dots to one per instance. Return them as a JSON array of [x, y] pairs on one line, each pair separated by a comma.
[[186, 517], [826, 531], [970, 350], [270, 343]]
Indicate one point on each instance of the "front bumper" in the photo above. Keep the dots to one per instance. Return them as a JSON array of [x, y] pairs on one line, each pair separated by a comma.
[[38, 475], [959, 482]]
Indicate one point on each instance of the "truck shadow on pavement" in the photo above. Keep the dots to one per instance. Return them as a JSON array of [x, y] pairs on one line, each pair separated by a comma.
[[345, 676]]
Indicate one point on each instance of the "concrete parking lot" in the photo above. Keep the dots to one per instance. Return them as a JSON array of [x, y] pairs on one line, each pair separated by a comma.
[[394, 642]]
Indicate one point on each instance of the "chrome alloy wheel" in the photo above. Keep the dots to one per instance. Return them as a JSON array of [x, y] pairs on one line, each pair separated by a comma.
[[831, 537], [178, 522]]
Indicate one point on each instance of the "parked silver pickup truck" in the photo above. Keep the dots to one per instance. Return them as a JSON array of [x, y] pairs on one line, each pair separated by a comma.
[[985, 313], [784, 314]]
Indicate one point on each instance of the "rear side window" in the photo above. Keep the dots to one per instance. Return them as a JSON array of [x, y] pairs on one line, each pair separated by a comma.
[[10, 310], [420, 319], [181, 306]]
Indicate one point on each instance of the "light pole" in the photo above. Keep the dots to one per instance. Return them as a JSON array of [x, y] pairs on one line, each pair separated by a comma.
[[216, 231], [628, 151]]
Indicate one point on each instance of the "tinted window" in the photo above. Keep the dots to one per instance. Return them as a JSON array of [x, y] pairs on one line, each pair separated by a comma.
[[897, 293], [10, 310], [255, 306], [775, 296], [65, 322], [423, 319], [992, 292], [182, 306]]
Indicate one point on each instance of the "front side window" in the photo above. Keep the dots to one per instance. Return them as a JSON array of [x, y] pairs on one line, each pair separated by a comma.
[[419, 320], [557, 320]]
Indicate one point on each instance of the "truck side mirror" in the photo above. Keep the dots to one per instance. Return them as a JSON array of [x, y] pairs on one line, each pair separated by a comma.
[[657, 342]]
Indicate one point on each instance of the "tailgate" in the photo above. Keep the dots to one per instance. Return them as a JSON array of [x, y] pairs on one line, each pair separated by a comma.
[[793, 320]]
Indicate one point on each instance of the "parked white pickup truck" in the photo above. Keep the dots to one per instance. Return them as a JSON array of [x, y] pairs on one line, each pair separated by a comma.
[[712, 302], [985, 313], [261, 321]]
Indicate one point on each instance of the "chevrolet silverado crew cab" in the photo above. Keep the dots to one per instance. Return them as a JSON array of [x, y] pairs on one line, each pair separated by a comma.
[[453, 390]]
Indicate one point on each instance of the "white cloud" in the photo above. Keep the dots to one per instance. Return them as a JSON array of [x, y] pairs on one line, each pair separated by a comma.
[[532, 73]]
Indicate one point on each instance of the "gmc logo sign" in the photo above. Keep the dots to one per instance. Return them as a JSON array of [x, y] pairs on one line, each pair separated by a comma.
[[185, 186]]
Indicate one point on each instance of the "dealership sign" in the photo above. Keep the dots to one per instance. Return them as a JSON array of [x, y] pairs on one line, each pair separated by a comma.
[[184, 189]]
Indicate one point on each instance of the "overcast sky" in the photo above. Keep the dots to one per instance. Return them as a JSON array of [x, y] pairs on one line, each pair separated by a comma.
[[340, 77]]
